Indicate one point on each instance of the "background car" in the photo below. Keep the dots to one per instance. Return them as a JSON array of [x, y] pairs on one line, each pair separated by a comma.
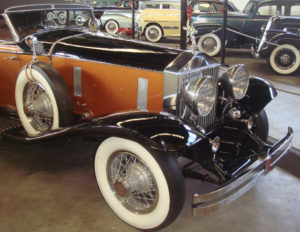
[[243, 28], [142, 107], [160, 19], [280, 44], [112, 18]]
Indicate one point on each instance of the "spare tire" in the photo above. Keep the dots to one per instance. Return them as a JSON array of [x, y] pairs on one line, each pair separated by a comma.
[[42, 99]]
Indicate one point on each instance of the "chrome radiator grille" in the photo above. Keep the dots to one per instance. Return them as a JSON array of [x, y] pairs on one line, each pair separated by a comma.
[[183, 110]]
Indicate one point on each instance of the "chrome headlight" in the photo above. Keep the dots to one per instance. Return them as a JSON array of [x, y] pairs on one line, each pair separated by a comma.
[[200, 95], [236, 81]]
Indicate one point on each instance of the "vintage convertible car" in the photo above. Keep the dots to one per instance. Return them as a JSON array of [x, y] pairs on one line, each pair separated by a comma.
[[280, 44], [157, 114], [243, 28]]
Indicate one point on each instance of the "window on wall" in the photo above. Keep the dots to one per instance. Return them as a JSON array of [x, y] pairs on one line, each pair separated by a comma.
[[4, 31], [295, 10]]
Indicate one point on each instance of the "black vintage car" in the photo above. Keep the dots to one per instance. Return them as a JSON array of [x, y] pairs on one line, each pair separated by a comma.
[[156, 114], [243, 28], [280, 44]]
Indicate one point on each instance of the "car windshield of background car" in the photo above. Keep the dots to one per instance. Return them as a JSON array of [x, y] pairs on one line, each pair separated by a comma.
[[249, 7], [4, 31]]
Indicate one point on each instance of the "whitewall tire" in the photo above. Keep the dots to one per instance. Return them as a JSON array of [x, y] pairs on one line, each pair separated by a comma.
[[209, 44], [111, 27], [153, 33], [144, 189], [43, 103], [285, 59]]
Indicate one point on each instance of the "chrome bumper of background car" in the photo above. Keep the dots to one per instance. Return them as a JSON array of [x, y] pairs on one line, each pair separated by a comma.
[[208, 202]]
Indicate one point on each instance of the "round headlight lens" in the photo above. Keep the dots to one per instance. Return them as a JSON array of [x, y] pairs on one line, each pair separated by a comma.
[[200, 95], [237, 81]]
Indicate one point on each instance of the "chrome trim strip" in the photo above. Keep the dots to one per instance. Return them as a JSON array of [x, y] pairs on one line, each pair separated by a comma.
[[142, 94], [77, 82], [101, 62], [11, 28], [208, 202]]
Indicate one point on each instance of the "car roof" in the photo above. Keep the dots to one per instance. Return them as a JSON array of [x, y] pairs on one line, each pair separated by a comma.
[[39, 7]]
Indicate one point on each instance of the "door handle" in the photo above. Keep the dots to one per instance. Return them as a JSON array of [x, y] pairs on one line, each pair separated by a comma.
[[10, 58]]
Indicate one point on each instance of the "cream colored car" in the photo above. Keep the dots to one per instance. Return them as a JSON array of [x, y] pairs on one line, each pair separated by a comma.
[[160, 19]]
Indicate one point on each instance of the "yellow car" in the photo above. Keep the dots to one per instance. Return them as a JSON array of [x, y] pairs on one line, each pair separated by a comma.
[[160, 19]]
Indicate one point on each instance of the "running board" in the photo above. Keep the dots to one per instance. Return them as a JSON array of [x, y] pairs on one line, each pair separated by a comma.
[[8, 122]]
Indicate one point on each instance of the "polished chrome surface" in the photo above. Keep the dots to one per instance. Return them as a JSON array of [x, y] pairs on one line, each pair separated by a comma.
[[77, 82], [37, 107], [208, 202], [132, 182], [209, 44], [142, 94], [183, 110], [200, 95]]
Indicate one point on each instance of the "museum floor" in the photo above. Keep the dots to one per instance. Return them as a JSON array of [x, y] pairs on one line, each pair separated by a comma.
[[42, 189]]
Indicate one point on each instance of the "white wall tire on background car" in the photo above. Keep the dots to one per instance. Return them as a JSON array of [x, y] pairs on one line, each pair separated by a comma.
[[153, 33], [144, 189], [209, 44], [45, 103], [111, 27], [285, 59]]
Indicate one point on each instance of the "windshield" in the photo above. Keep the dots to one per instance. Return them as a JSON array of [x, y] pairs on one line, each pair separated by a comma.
[[249, 7], [26, 23]]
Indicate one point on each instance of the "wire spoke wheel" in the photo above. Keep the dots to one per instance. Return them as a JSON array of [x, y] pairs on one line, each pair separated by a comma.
[[37, 107], [144, 187], [132, 182]]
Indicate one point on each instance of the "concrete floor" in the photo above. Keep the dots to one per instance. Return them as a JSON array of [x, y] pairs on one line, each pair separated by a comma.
[[43, 189]]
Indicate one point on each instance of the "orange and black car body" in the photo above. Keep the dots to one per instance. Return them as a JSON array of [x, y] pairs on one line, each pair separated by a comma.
[[168, 100]]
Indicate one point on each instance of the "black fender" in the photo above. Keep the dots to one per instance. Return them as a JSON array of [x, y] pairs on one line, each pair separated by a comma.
[[260, 92], [156, 130], [206, 28], [283, 38]]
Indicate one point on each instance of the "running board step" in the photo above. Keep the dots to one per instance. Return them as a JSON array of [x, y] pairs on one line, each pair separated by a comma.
[[9, 122]]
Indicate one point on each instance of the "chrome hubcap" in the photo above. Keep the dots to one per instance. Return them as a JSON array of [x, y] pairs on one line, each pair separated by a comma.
[[153, 33], [132, 182], [209, 44], [285, 58], [37, 107]]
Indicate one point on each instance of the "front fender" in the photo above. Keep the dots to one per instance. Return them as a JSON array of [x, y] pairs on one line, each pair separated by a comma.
[[160, 131], [260, 92]]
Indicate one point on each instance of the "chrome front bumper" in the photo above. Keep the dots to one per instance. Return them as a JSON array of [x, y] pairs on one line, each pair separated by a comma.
[[208, 202]]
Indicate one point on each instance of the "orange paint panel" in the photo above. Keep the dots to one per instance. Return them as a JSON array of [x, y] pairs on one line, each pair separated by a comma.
[[109, 88], [9, 70], [9, 48]]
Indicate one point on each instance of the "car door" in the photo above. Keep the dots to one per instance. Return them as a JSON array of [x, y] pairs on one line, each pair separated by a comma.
[[9, 66], [260, 17]]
